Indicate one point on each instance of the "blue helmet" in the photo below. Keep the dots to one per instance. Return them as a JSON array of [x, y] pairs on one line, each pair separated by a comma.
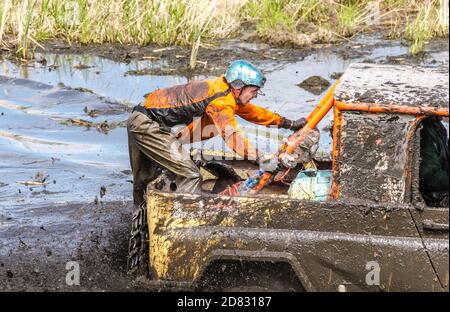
[[242, 73]]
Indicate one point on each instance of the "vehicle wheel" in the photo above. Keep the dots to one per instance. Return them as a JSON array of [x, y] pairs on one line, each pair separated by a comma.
[[249, 276], [271, 283], [138, 248]]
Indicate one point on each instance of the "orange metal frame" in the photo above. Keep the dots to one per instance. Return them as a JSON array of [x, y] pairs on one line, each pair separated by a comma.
[[339, 106], [410, 158], [337, 141], [398, 109]]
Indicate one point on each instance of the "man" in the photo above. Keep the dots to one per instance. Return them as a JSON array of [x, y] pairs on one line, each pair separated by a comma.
[[433, 182], [210, 103]]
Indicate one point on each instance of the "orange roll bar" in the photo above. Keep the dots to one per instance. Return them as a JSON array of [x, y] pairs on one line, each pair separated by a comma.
[[398, 109]]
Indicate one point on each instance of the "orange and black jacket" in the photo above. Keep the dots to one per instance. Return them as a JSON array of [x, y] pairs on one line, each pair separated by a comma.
[[213, 102]]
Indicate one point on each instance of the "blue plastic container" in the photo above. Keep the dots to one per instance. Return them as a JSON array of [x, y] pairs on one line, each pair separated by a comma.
[[311, 184]]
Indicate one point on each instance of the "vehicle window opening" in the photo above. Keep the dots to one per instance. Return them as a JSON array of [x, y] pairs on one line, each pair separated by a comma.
[[434, 161]]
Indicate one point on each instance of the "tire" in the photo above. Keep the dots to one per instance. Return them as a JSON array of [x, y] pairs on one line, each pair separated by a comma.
[[249, 276], [138, 248]]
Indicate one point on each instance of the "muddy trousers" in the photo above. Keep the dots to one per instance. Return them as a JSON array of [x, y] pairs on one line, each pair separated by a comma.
[[148, 143]]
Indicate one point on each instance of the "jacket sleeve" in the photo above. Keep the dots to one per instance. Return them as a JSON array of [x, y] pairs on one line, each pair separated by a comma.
[[222, 114], [258, 115]]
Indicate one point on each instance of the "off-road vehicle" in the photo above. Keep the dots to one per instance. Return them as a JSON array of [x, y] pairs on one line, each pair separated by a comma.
[[374, 233]]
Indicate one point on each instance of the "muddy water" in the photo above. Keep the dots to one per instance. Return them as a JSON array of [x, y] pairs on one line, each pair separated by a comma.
[[60, 215], [65, 185]]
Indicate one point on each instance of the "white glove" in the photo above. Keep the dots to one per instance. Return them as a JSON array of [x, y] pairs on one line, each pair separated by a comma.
[[304, 152], [268, 163], [288, 160]]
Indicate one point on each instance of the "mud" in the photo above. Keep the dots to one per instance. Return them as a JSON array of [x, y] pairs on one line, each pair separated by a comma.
[[315, 84], [211, 60], [53, 209], [395, 85], [33, 256], [365, 175], [54, 111], [200, 230]]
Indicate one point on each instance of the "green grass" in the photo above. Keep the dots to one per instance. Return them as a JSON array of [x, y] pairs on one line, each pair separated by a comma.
[[305, 22], [271, 18], [431, 21], [23, 30], [349, 18], [24, 23]]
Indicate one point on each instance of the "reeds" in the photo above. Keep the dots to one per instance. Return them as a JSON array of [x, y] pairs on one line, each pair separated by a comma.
[[24, 23], [431, 21]]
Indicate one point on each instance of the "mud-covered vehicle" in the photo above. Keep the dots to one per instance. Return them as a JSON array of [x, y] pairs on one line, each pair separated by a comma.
[[374, 233]]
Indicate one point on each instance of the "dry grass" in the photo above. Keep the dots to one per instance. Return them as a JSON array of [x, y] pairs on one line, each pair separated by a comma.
[[141, 22], [24, 23]]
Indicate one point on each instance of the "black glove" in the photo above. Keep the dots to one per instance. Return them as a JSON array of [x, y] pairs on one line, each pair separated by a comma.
[[293, 125]]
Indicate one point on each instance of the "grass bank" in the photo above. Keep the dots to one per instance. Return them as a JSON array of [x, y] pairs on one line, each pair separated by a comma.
[[24, 24], [307, 22]]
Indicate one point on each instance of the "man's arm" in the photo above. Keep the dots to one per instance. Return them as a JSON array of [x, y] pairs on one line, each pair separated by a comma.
[[222, 114], [258, 115], [262, 116]]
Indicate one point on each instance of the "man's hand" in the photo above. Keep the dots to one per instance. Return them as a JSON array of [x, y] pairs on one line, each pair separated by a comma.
[[288, 160], [293, 125], [304, 151], [268, 163]]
